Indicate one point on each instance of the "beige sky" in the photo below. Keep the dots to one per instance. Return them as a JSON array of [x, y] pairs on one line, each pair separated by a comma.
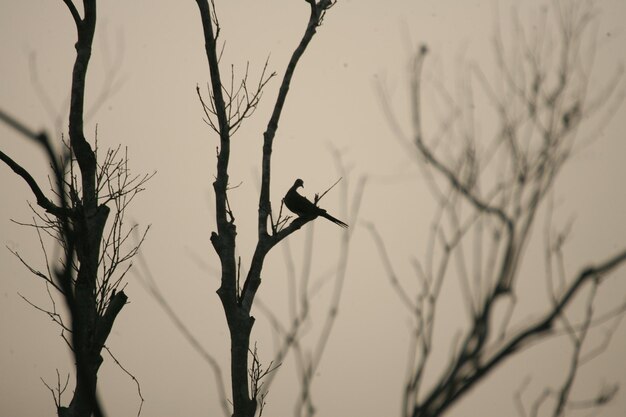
[[154, 51]]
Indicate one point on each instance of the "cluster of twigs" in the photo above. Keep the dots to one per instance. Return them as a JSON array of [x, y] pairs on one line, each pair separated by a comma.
[[240, 103]]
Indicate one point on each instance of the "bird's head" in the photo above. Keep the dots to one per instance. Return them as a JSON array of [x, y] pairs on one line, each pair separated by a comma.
[[298, 183]]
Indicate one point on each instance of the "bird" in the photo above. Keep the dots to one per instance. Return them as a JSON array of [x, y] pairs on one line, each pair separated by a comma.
[[301, 206]]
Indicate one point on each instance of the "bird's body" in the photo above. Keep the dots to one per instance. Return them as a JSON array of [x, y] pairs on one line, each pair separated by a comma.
[[301, 206]]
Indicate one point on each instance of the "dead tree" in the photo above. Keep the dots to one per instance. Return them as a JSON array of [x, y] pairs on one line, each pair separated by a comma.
[[94, 257], [489, 194], [225, 111]]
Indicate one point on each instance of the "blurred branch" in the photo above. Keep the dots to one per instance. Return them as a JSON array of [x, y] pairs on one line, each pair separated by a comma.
[[153, 289], [494, 194]]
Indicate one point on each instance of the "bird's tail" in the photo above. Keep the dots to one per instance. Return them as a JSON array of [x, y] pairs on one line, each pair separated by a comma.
[[334, 220]]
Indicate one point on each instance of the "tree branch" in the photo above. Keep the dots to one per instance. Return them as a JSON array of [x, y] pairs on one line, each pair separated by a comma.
[[315, 18], [266, 242], [42, 200], [75, 15]]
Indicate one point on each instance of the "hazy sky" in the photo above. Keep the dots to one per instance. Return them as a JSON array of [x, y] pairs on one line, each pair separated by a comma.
[[152, 53]]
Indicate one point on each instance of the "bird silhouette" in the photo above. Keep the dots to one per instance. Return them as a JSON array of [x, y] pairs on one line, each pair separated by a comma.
[[304, 208]]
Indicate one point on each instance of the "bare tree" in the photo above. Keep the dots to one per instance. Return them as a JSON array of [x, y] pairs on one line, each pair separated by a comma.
[[226, 109], [489, 193], [94, 257]]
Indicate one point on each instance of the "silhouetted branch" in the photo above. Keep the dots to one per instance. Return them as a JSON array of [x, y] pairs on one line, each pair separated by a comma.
[[58, 391], [131, 376], [41, 139], [75, 15], [318, 8], [257, 374]]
